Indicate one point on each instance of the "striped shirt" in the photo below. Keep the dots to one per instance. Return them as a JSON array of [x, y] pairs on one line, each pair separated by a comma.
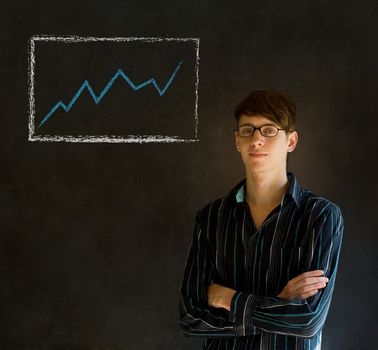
[[303, 233]]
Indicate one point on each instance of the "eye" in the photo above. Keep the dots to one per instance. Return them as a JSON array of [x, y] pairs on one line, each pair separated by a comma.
[[269, 130], [245, 131]]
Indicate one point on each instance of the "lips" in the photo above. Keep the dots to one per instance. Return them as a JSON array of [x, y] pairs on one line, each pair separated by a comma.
[[257, 155]]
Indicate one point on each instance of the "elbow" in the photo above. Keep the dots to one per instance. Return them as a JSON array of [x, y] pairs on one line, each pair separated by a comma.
[[311, 328], [200, 323], [190, 321], [186, 321], [315, 321], [190, 326], [308, 332]]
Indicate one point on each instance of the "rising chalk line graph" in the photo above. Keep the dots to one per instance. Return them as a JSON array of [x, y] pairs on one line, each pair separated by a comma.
[[42, 136], [97, 99]]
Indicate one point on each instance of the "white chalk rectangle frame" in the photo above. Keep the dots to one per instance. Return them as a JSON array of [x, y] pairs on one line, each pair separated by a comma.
[[105, 138]]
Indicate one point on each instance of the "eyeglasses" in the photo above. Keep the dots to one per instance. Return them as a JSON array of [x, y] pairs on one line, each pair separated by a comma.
[[265, 130]]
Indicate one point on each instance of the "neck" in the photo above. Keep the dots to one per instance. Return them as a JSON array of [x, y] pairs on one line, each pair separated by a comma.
[[266, 189]]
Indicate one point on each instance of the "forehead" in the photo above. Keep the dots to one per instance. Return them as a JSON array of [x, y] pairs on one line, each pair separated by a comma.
[[254, 120]]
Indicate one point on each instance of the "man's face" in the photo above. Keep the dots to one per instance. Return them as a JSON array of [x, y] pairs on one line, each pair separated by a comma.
[[274, 149]]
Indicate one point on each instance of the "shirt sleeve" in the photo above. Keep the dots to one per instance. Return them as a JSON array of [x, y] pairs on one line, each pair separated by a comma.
[[297, 317], [196, 317]]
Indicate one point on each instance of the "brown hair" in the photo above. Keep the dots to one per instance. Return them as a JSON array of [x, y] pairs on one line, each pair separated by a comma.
[[274, 105]]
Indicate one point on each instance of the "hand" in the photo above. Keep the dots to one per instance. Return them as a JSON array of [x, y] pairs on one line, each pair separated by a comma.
[[219, 296], [304, 285]]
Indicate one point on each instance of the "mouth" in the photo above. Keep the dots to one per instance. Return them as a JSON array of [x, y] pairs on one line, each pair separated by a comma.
[[257, 155]]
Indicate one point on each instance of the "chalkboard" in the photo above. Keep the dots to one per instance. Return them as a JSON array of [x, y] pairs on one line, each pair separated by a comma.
[[117, 121]]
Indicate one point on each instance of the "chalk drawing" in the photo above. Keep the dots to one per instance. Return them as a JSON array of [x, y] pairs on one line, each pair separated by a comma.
[[130, 138], [97, 99]]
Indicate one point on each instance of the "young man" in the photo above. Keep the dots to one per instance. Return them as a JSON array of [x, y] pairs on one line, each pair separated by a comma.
[[262, 265]]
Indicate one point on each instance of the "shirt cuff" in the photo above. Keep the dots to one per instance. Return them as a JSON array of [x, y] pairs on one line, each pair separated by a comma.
[[241, 311]]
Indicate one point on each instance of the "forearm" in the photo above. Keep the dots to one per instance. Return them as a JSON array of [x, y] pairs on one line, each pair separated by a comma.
[[201, 320], [291, 317]]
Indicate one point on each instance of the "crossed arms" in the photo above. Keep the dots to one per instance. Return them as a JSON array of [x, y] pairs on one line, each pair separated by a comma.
[[300, 309]]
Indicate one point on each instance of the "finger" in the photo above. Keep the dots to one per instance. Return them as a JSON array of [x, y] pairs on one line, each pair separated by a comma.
[[309, 280], [308, 284], [308, 294], [308, 288], [314, 273]]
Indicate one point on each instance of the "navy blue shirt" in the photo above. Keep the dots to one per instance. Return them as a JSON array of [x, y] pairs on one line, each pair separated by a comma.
[[303, 233]]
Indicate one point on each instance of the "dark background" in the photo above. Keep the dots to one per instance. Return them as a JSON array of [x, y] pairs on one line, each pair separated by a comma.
[[94, 237]]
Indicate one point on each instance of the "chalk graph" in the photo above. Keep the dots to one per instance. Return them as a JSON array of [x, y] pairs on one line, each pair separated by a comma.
[[39, 122], [97, 99]]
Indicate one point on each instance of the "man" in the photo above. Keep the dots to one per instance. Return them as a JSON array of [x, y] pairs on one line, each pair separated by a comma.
[[262, 265]]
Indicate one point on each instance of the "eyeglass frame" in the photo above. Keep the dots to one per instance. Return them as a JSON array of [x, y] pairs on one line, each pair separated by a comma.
[[259, 129]]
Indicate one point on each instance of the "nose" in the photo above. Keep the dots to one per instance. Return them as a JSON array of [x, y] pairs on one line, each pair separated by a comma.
[[257, 137]]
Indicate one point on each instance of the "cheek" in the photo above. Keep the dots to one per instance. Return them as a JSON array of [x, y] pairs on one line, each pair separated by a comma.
[[279, 146]]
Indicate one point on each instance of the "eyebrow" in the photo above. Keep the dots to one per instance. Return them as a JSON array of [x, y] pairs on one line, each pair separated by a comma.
[[249, 124]]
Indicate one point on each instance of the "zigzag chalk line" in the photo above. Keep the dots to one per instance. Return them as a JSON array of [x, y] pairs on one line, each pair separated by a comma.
[[97, 99]]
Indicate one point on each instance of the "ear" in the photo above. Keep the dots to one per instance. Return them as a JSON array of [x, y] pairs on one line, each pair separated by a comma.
[[237, 145], [292, 141]]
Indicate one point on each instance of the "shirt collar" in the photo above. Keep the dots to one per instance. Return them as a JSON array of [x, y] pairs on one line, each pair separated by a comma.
[[294, 189]]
